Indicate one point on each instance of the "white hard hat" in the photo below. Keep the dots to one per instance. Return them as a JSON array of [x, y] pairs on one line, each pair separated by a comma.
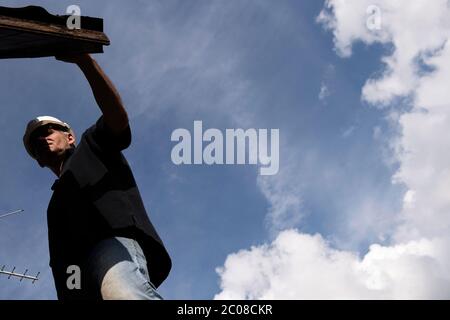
[[37, 123]]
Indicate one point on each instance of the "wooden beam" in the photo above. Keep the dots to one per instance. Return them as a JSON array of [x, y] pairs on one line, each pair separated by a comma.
[[53, 30]]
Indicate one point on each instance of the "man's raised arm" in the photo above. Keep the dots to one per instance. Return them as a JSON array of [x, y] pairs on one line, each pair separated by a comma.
[[105, 93]]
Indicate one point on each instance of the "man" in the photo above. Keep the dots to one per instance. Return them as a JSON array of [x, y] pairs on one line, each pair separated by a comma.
[[97, 224]]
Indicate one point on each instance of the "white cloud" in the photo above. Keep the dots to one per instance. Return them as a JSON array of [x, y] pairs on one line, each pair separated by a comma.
[[325, 87], [283, 194], [301, 266], [414, 28], [416, 262], [348, 132], [324, 92]]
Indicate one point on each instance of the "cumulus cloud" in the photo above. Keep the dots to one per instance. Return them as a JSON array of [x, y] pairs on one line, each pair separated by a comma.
[[414, 29], [301, 266], [415, 265]]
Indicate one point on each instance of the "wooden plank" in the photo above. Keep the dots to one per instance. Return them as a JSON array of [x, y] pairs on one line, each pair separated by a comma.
[[39, 14], [51, 29], [32, 32]]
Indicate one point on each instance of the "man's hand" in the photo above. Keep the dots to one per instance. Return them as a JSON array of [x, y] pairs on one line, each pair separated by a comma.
[[74, 58]]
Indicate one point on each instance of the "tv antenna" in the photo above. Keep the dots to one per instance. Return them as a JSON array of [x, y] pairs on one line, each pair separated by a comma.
[[11, 213], [21, 276], [12, 273]]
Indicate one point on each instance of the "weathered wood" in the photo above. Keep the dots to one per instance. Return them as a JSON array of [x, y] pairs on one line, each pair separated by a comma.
[[51, 29], [25, 38]]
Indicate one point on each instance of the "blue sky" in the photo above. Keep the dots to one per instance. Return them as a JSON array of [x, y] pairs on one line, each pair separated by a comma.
[[231, 64]]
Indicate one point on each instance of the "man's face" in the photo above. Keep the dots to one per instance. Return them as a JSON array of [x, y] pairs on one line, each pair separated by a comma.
[[49, 144]]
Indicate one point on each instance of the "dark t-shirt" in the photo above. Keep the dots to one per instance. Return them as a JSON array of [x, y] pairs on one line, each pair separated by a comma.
[[96, 197]]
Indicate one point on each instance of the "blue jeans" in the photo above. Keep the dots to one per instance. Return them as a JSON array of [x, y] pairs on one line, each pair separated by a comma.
[[118, 270]]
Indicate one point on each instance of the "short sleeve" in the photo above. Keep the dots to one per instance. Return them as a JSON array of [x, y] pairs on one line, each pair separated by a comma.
[[107, 140]]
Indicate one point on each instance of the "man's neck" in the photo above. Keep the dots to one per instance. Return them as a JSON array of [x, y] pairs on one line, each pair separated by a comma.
[[57, 167]]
